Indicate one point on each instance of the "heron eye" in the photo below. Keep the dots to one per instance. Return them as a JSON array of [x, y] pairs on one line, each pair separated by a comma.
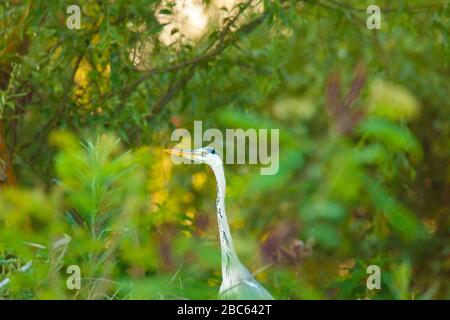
[[213, 151]]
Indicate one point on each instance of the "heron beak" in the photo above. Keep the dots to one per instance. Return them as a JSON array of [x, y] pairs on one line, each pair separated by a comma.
[[182, 153]]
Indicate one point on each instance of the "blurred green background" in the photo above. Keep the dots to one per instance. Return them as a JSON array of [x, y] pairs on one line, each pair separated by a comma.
[[364, 147]]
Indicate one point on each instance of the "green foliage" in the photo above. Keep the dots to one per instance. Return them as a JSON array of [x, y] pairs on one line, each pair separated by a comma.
[[94, 204]]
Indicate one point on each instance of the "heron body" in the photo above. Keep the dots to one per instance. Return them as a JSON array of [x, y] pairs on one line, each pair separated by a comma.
[[237, 282]]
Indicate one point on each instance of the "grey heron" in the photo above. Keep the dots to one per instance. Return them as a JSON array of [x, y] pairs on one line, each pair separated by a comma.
[[237, 282]]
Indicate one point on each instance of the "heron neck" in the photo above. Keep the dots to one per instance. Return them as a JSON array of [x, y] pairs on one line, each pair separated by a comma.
[[229, 257]]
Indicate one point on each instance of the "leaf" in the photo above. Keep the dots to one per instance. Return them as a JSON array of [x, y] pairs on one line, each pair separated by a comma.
[[401, 277], [392, 101], [324, 234], [327, 210], [391, 134], [165, 11], [404, 222]]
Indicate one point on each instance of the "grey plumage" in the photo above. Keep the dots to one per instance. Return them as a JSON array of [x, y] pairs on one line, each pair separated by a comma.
[[237, 282]]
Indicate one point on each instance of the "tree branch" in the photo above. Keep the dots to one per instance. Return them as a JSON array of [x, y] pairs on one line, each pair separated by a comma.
[[211, 51]]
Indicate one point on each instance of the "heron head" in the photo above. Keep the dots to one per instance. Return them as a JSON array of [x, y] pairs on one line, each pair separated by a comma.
[[206, 155]]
